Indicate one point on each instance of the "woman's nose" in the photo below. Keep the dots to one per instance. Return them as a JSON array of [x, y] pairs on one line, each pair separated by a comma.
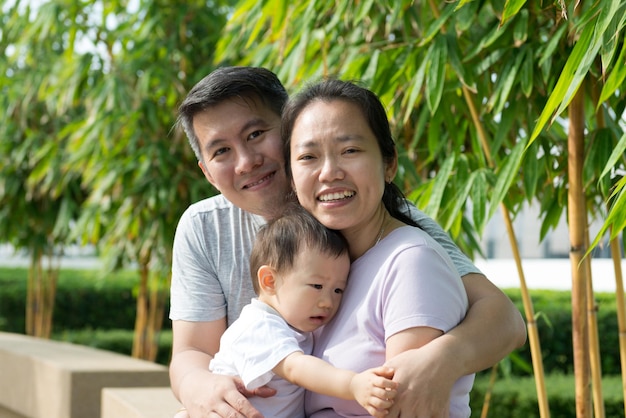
[[331, 170]]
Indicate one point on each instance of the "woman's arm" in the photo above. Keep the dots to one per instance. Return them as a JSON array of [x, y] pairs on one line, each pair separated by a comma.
[[492, 328]]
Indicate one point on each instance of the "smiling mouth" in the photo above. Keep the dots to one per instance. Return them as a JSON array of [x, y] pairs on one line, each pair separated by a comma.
[[335, 196], [256, 183]]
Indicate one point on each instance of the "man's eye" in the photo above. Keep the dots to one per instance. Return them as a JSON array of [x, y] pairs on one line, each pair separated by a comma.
[[220, 151]]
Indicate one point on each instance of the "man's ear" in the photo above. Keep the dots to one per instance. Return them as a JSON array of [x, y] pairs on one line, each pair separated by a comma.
[[267, 281], [206, 173]]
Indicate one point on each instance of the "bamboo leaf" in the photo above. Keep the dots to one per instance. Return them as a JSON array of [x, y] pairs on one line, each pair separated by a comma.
[[616, 218], [460, 199], [527, 72], [569, 81], [617, 154], [511, 7], [615, 80], [439, 186], [435, 28], [479, 201], [507, 174], [415, 89], [580, 60], [436, 72], [530, 170]]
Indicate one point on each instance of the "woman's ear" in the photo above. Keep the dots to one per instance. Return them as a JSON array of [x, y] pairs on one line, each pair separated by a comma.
[[391, 168], [267, 281]]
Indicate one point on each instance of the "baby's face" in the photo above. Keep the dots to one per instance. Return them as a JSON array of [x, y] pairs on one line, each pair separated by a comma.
[[309, 295]]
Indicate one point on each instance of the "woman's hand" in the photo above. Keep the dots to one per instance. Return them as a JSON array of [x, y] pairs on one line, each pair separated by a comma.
[[425, 379]]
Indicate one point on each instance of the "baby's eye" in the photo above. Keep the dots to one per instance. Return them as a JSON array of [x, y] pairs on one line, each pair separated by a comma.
[[339, 291], [317, 286]]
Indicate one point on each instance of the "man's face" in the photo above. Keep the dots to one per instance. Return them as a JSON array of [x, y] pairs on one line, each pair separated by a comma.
[[242, 154]]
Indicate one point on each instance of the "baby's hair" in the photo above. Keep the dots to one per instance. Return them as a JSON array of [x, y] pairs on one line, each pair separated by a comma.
[[279, 242]]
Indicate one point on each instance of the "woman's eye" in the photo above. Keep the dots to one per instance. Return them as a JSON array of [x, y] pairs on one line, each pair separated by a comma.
[[255, 134]]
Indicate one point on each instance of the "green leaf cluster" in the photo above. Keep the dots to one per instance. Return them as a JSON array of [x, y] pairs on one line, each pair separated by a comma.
[[475, 92]]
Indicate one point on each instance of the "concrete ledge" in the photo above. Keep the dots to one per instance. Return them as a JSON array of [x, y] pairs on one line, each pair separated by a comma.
[[139, 403], [51, 379]]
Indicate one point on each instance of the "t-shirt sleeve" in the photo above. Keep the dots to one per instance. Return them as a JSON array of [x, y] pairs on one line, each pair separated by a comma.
[[462, 263], [195, 291], [422, 289], [261, 348]]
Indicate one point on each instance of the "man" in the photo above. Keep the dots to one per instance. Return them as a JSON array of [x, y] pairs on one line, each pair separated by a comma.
[[232, 120]]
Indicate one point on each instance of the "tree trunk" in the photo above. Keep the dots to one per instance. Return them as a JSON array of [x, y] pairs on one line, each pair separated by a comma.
[[141, 320], [149, 320], [577, 224], [40, 295]]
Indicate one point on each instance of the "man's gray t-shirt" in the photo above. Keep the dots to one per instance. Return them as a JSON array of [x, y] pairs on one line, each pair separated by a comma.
[[210, 267]]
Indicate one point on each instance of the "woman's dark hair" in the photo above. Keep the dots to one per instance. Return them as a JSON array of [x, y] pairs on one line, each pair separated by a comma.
[[226, 83], [376, 117], [279, 242]]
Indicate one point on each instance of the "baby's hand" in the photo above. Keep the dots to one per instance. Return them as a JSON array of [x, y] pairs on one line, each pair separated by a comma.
[[375, 390]]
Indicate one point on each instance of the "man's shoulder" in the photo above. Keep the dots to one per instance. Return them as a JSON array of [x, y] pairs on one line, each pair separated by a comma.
[[216, 206], [211, 204]]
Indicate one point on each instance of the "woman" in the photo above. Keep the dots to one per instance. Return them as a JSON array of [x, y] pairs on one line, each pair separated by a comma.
[[403, 290]]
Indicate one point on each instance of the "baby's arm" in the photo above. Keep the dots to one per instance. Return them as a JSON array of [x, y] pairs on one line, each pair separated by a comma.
[[373, 388]]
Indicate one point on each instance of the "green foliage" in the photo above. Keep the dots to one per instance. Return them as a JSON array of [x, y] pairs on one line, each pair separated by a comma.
[[517, 397], [91, 302], [554, 325], [467, 79], [116, 340], [85, 299]]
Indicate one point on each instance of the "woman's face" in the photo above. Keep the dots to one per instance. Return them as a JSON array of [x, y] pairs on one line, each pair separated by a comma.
[[337, 167]]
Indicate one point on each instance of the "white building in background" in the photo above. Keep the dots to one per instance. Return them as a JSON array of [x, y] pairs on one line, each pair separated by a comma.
[[527, 227], [546, 265]]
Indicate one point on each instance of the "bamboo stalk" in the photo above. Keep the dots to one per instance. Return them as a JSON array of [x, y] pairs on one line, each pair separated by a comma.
[[594, 340], [616, 255], [531, 324], [577, 225], [533, 333], [487, 401]]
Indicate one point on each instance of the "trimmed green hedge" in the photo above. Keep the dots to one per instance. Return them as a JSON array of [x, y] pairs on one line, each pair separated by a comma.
[[85, 299], [88, 303], [554, 325], [517, 397], [116, 340]]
